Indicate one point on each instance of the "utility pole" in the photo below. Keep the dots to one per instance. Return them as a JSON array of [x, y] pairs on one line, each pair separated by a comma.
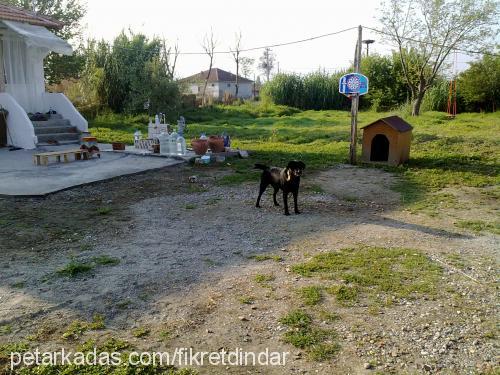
[[355, 101]]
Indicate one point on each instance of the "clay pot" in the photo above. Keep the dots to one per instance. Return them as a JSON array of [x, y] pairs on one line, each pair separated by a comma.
[[118, 146], [200, 146], [216, 143]]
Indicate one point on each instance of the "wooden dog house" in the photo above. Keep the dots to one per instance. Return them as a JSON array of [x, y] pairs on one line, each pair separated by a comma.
[[387, 140]]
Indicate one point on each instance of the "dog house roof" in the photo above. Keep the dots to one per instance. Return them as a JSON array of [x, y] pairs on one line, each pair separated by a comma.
[[395, 122]]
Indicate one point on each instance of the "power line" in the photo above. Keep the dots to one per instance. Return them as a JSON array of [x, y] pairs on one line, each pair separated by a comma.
[[431, 43], [257, 48]]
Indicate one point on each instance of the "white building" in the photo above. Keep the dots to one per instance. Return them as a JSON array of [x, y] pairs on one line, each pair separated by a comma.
[[220, 83], [25, 41]]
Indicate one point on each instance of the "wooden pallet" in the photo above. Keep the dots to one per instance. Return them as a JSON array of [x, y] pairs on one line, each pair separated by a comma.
[[43, 158]]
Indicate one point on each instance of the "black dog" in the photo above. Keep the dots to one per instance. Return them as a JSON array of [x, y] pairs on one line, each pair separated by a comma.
[[287, 179]]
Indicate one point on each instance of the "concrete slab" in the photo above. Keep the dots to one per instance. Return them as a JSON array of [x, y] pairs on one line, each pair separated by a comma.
[[20, 177]]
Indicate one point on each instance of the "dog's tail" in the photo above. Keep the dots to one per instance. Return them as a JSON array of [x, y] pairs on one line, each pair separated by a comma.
[[261, 166]]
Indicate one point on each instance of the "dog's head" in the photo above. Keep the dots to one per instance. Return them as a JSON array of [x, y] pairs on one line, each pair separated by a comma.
[[295, 168]]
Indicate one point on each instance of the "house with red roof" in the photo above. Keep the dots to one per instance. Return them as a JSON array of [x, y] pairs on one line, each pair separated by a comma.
[[220, 84]]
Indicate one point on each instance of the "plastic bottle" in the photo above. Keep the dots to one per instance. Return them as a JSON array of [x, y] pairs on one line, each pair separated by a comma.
[[173, 143], [164, 139], [157, 119], [181, 145]]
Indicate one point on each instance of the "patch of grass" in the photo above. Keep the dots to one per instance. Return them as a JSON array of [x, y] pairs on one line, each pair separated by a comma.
[[324, 351], [190, 206], [104, 210], [310, 295], [296, 319], [246, 300], [140, 332], [263, 257], [75, 268], [345, 294], [18, 285], [264, 280], [105, 260], [373, 270], [479, 226], [328, 316], [302, 334], [165, 335], [78, 327], [5, 329]]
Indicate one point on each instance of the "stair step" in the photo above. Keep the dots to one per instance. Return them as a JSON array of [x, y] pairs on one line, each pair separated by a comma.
[[44, 138], [52, 122], [59, 143], [39, 130]]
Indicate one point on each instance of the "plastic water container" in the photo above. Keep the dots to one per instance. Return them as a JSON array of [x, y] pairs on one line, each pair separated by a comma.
[[164, 139], [173, 143], [181, 145]]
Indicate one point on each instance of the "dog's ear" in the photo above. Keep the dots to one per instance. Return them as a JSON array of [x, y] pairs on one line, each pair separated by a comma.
[[301, 165]]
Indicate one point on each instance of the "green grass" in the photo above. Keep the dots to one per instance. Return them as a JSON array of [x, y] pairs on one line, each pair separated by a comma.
[[459, 152], [303, 334], [374, 270], [140, 332], [264, 280], [479, 226], [105, 260], [310, 295], [5, 329], [264, 257], [75, 268], [78, 327], [104, 210]]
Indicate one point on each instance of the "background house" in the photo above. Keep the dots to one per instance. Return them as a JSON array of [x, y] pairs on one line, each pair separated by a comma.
[[220, 83], [25, 41]]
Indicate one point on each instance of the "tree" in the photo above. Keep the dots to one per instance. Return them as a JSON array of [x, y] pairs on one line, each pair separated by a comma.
[[426, 31], [169, 57], [70, 12], [135, 72], [246, 66], [237, 59], [266, 64], [209, 44], [480, 84]]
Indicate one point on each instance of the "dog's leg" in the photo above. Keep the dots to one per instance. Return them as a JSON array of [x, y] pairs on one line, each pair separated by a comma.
[[295, 196], [285, 202], [276, 189], [263, 187]]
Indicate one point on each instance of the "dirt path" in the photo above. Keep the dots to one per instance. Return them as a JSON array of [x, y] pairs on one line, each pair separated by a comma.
[[186, 278]]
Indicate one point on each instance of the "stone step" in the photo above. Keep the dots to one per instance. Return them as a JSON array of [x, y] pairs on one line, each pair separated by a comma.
[[55, 129], [41, 144], [52, 122], [59, 137]]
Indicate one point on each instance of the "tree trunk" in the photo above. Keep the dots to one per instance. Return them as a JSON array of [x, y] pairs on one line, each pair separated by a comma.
[[237, 77], [417, 102]]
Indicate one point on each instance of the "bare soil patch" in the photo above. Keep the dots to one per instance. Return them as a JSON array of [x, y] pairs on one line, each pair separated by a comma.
[[173, 264]]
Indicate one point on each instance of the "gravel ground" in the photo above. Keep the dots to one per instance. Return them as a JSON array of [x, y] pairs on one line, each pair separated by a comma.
[[184, 266]]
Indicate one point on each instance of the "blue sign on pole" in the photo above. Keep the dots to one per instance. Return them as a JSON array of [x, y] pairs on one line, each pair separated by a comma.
[[353, 83]]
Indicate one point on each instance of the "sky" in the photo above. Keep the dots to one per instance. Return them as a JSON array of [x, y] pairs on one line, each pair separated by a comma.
[[261, 23]]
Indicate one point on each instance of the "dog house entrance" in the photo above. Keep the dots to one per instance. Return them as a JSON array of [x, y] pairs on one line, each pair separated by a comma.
[[380, 148]]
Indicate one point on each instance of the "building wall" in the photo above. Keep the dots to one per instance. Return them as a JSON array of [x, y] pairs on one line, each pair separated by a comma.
[[399, 143], [217, 89]]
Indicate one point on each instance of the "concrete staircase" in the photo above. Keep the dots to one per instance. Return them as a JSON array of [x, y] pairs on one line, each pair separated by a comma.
[[56, 129]]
